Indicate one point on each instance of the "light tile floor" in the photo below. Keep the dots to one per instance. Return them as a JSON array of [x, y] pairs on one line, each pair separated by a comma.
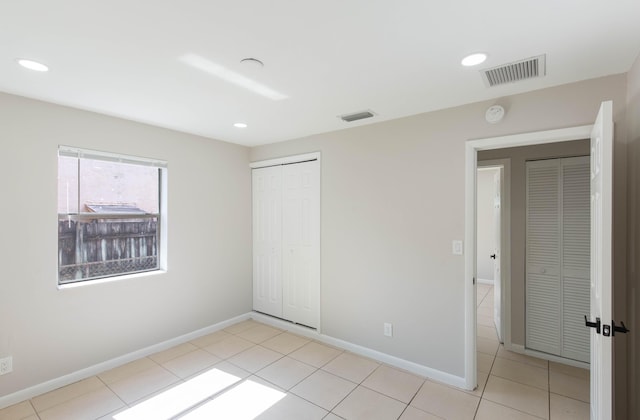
[[251, 370]]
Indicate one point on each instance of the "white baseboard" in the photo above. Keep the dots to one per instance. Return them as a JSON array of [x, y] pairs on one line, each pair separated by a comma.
[[437, 375], [33, 391], [485, 281], [79, 375]]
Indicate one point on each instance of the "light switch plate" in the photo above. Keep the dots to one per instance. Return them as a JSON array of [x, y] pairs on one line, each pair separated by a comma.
[[457, 247]]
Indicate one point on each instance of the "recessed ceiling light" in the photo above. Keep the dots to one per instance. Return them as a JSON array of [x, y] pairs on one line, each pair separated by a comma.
[[473, 59], [240, 125], [32, 65]]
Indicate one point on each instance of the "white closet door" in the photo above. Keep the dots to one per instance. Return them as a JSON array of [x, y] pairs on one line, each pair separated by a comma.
[[301, 242], [558, 255], [267, 240], [576, 229], [543, 288]]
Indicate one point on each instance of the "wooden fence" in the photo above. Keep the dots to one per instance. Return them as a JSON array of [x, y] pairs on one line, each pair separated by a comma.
[[104, 247]]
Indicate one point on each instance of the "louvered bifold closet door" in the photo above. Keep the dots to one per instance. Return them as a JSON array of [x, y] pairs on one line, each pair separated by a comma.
[[575, 257], [543, 289], [558, 257]]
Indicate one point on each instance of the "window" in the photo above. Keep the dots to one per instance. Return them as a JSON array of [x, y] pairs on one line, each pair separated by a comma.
[[109, 214]]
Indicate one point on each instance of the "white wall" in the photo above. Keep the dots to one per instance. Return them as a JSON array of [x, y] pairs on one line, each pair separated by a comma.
[[485, 223], [51, 332], [392, 202]]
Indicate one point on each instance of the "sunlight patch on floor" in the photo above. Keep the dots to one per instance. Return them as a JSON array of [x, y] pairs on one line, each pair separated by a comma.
[[244, 402], [180, 397]]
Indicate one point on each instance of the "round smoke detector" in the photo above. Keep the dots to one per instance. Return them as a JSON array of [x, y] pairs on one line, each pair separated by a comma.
[[494, 114]]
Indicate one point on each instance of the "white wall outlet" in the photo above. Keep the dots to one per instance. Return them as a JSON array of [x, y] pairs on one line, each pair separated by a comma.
[[457, 247], [388, 329], [6, 365]]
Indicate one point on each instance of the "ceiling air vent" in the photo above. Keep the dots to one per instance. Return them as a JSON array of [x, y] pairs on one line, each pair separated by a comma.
[[357, 116], [514, 72]]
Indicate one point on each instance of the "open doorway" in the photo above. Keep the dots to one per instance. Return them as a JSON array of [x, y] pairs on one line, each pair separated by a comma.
[[488, 251], [519, 276], [493, 248], [472, 265], [601, 253]]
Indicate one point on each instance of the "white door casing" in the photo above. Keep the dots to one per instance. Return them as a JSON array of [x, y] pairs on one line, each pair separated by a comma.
[[471, 150], [601, 263], [267, 240]]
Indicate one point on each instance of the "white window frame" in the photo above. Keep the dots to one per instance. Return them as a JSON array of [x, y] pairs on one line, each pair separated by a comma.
[[161, 245]]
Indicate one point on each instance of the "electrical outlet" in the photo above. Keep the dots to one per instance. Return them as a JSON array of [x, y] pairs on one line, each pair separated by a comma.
[[388, 329], [6, 365]]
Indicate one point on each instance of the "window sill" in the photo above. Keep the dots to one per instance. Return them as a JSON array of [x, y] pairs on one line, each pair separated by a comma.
[[110, 279]]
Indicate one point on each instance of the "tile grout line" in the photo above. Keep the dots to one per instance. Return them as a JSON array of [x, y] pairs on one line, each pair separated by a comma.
[[324, 371], [34, 408], [84, 393], [114, 393], [330, 411], [414, 397], [485, 384], [549, 389], [475, 414], [301, 380]]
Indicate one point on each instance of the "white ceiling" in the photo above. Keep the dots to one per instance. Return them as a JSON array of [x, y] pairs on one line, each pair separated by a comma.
[[130, 58]]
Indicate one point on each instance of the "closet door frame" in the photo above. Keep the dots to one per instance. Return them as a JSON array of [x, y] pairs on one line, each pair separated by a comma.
[[314, 156]]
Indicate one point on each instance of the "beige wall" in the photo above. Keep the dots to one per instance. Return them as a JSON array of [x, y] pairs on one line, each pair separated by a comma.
[[51, 332], [518, 156], [392, 202], [633, 296]]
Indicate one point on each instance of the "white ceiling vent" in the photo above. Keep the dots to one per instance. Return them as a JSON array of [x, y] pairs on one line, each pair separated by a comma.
[[514, 72], [357, 116]]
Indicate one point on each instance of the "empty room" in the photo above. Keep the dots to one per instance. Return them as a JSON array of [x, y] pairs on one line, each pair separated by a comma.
[[338, 210]]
